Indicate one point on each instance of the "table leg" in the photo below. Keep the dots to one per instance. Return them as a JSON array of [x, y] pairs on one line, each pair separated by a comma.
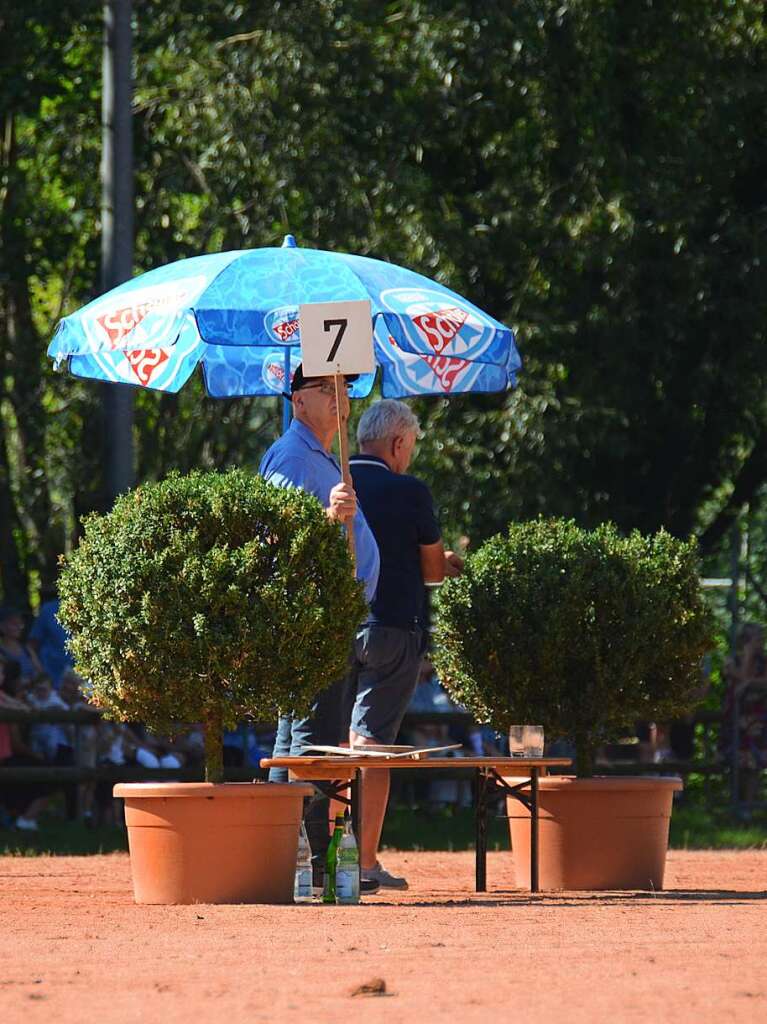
[[355, 787], [481, 829], [534, 830]]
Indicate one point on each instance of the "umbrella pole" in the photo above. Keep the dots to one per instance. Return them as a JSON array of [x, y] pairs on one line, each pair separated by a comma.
[[343, 446], [287, 406]]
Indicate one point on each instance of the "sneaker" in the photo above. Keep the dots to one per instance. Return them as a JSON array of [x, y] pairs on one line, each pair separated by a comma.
[[368, 886], [382, 877], [26, 824]]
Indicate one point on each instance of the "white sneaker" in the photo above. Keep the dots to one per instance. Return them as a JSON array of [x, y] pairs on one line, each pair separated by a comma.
[[27, 824], [381, 875]]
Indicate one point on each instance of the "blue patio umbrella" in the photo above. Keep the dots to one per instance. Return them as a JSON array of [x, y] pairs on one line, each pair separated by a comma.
[[235, 314]]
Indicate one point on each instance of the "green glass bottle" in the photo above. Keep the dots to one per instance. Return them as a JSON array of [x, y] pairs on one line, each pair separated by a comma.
[[348, 869], [331, 861]]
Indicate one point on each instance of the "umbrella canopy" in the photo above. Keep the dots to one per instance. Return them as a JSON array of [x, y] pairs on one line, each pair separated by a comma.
[[236, 315]]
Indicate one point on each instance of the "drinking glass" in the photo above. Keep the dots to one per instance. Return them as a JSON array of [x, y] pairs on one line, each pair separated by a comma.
[[532, 740], [517, 740]]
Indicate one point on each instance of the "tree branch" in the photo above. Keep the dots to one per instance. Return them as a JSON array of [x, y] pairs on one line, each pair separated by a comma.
[[752, 474]]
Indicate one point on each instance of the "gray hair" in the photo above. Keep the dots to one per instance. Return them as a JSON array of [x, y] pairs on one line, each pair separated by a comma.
[[387, 418]]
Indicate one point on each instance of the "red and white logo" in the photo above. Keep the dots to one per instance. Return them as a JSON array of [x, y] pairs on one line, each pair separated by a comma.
[[446, 370], [434, 321], [273, 369], [123, 315], [119, 322], [440, 327], [146, 363], [282, 324], [286, 329]]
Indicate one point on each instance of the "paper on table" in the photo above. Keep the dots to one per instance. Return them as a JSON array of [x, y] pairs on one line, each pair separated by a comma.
[[413, 753]]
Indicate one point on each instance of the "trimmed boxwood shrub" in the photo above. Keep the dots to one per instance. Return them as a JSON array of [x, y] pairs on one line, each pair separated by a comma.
[[582, 631], [209, 597]]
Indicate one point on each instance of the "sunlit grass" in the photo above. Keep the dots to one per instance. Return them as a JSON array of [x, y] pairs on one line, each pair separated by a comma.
[[693, 827]]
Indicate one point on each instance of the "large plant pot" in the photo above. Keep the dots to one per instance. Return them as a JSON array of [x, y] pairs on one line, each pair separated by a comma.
[[205, 843], [603, 833]]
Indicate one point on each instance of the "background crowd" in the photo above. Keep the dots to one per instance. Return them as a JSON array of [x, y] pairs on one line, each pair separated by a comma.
[[36, 674]]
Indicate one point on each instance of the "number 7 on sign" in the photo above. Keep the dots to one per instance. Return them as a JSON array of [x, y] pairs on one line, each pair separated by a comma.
[[336, 338], [341, 325]]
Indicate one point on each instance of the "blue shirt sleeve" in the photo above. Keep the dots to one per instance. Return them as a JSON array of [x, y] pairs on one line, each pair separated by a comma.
[[290, 471]]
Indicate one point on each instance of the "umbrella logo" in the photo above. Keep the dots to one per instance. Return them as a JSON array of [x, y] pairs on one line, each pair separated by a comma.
[[118, 323], [433, 323], [282, 325], [146, 362], [440, 327], [446, 370], [433, 341], [273, 369], [143, 316], [422, 373]]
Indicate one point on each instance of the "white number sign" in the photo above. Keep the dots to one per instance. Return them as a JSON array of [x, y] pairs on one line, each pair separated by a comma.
[[336, 337]]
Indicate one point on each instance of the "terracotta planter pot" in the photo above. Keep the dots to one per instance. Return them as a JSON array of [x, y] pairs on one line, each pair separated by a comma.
[[205, 843], [603, 833]]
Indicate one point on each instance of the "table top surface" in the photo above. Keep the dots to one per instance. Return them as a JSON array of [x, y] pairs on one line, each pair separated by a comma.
[[325, 762]]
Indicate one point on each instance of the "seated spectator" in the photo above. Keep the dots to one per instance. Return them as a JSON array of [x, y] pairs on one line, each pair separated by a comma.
[[48, 638], [13, 647], [257, 746], [9, 696], [431, 698], [745, 707], [122, 744], [49, 739], [192, 744], [438, 791], [84, 743], [148, 758], [429, 695], [486, 742], [116, 744], [156, 751], [22, 801], [241, 747], [13, 685], [53, 741]]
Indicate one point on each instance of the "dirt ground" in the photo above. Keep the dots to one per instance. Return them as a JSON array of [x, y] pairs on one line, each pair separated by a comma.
[[74, 947]]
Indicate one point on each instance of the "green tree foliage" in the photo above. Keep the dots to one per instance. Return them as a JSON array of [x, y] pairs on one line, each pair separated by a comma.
[[624, 233], [590, 172], [209, 597], [583, 631]]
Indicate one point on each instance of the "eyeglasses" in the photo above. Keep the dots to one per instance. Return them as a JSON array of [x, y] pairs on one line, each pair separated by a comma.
[[326, 388]]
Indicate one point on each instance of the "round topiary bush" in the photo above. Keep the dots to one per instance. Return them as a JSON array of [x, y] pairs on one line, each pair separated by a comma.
[[209, 597], [582, 631]]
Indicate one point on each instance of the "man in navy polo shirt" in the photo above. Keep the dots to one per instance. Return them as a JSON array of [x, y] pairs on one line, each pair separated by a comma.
[[400, 512], [302, 458]]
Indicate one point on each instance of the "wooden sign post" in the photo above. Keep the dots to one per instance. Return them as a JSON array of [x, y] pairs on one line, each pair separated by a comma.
[[336, 340]]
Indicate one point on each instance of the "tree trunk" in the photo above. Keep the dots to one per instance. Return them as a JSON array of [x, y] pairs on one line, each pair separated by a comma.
[[584, 756], [214, 746], [21, 361], [13, 578]]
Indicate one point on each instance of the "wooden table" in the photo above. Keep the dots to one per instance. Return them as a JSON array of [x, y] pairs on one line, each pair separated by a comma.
[[344, 772]]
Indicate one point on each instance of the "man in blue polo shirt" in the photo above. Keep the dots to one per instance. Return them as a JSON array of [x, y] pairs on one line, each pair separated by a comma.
[[400, 511], [302, 458]]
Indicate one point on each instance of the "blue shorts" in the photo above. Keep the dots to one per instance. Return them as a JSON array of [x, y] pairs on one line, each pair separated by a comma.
[[383, 679]]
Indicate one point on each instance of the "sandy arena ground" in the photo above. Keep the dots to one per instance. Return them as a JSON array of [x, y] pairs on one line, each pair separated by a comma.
[[74, 947]]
